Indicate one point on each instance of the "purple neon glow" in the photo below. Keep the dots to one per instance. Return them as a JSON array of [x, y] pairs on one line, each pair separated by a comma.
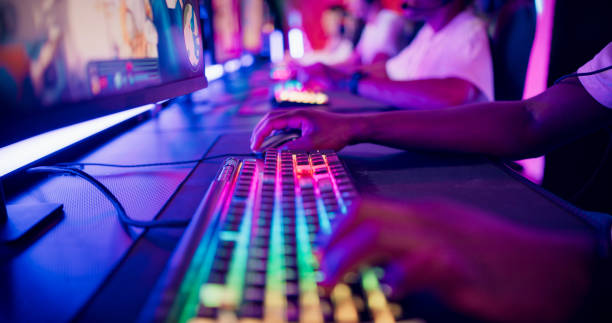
[[537, 75]]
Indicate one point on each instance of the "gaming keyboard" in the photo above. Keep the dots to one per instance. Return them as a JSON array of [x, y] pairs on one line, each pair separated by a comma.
[[252, 244], [293, 94]]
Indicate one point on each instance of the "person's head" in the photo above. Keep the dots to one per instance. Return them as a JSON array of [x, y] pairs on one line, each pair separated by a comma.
[[361, 8], [422, 10], [332, 20]]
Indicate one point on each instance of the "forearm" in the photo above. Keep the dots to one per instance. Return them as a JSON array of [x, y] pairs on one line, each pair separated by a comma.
[[507, 129], [501, 130], [419, 94]]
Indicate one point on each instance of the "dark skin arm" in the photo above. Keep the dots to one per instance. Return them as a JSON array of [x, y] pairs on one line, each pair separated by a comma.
[[419, 94], [514, 129]]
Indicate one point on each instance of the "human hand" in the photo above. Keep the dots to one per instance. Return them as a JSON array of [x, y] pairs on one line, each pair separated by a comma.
[[475, 262], [320, 130]]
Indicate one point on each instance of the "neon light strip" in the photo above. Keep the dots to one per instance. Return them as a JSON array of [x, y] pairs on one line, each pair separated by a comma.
[[324, 223], [377, 302], [275, 275], [310, 310], [238, 266], [341, 202], [28, 151], [202, 261]]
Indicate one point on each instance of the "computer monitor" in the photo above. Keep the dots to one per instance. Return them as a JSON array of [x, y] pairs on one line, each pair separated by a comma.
[[67, 61]]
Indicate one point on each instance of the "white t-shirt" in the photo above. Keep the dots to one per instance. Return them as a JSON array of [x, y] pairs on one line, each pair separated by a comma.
[[460, 49], [599, 85], [383, 35], [335, 52]]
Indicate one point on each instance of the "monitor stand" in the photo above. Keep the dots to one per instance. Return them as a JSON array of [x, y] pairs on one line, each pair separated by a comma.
[[17, 220]]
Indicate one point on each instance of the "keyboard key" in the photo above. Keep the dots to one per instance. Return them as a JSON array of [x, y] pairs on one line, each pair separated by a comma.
[[251, 309]]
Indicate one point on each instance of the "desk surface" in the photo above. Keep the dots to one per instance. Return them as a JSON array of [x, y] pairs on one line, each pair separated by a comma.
[[89, 269]]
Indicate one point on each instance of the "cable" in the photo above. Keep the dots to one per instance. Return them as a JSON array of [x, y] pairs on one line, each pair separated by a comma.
[[126, 221], [123, 217], [582, 74], [155, 164]]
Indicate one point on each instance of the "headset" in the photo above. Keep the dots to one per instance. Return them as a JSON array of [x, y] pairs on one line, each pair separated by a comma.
[[406, 5]]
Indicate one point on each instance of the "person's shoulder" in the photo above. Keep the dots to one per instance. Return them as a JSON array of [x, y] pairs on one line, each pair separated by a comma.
[[470, 27]]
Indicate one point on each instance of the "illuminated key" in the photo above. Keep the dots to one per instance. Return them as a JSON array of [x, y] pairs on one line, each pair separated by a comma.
[[377, 302], [310, 309], [275, 302], [234, 291], [344, 308], [202, 320], [211, 294]]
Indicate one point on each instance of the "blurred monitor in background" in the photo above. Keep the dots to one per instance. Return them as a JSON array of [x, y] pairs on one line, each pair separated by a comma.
[[226, 29]]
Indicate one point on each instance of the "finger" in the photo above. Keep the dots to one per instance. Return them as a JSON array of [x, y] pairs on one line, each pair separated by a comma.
[[294, 119], [344, 226], [259, 124], [267, 126], [408, 273], [367, 208], [268, 116], [357, 249]]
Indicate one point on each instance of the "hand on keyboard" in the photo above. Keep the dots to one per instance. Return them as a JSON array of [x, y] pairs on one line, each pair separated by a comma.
[[320, 130], [478, 264]]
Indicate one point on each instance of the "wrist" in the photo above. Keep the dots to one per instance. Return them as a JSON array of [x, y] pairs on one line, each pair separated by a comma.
[[358, 129]]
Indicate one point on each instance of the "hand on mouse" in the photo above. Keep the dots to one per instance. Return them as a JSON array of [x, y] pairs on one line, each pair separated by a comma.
[[320, 130], [476, 262]]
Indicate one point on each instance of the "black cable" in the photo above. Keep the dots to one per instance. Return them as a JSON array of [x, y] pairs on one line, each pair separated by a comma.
[[582, 74], [123, 217], [156, 164]]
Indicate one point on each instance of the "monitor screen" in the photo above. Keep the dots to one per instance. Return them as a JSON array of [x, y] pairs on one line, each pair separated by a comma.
[[65, 61]]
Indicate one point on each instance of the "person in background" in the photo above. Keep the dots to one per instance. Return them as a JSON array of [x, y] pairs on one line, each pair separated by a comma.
[[447, 63], [476, 262], [339, 46], [380, 39]]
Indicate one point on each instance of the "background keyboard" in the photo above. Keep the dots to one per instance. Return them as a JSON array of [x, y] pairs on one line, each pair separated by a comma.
[[256, 261]]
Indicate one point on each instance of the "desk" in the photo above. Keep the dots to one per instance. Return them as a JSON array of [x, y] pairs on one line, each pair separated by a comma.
[[87, 268]]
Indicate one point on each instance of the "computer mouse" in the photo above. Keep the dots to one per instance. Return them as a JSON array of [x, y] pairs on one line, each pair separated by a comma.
[[280, 137]]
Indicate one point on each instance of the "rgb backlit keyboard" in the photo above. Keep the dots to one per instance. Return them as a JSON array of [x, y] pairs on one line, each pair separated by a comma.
[[255, 261]]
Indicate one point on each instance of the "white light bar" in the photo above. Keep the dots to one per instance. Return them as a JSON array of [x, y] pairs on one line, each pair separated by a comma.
[[232, 65], [296, 43], [213, 72], [247, 60], [277, 46], [28, 151]]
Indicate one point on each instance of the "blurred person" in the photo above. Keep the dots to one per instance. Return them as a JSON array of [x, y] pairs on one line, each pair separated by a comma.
[[379, 39], [474, 261], [447, 63], [338, 47]]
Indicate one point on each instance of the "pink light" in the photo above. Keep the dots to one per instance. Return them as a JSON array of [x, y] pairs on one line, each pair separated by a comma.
[[536, 77]]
